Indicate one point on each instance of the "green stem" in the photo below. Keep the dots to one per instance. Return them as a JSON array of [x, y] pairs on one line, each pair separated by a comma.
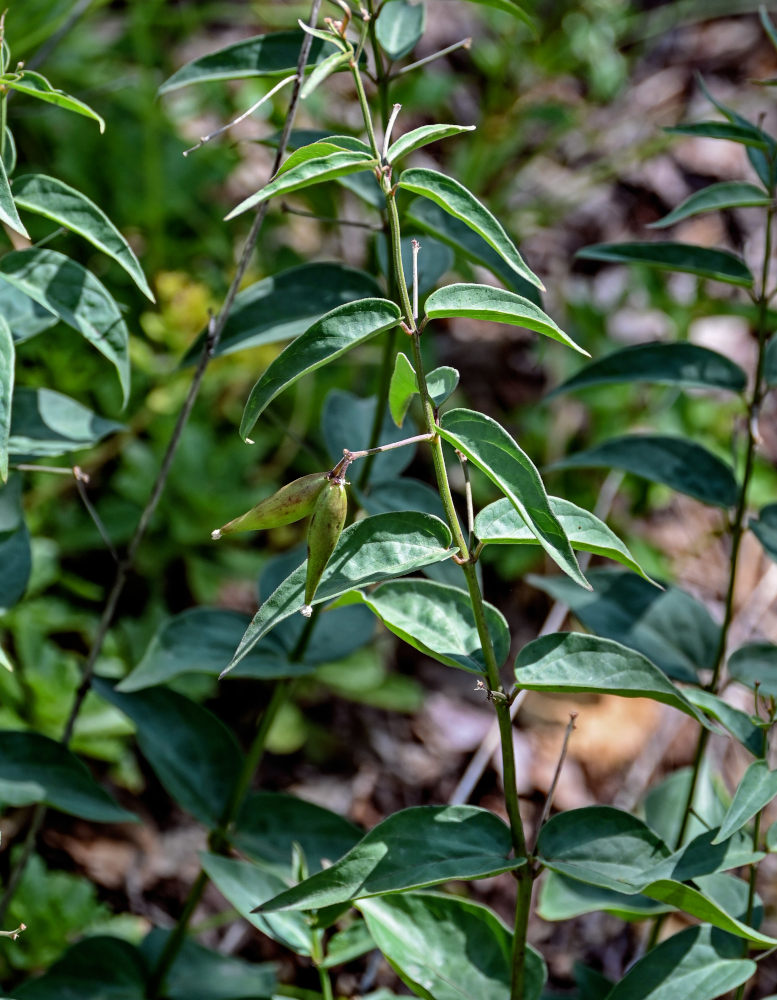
[[176, 936], [3, 118], [389, 350]]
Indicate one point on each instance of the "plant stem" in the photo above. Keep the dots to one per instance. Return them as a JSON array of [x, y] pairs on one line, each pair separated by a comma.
[[175, 938]]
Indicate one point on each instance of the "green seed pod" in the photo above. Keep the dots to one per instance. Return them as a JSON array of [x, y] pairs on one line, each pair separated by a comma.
[[291, 503], [326, 525]]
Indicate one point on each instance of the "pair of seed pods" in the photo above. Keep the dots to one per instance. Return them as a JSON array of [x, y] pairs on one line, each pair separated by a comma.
[[320, 494]]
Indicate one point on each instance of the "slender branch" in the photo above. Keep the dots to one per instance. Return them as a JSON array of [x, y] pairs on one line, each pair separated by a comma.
[[14, 934], [57, 470], [416, 247], [562, 757], [468, 496], [356, 223], [389, 129], [175, 938], [463, 44], [82, 479]]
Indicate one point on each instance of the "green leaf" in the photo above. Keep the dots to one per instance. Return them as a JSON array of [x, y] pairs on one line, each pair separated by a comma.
[[562, 898], [494, 452], [699, 963], [768, 25], [45, 424], [432, 219], [419, 137], [328, 66], [448, 948], [35, 85], [436, 620], [665, 802], [198, 973], [243, 885], [770, 363], [34, 768], [718, 265], [685, 365], [338, 331], [270, 823], [764, 527], [738, 723], [572, 661], [374, 549], [755, 663], [500, 523], [309, 172], [284, 305], [346, 945], [7, 362], [412, 849], [61, 203], [669, 627], [743, 133], [441, 383], [274, 54], [680, 464], [67, 289], [25, 317], [496, 305], [347, 421], [754, 792], [399, 26], [8, 213], [15, 553], [457, 201], [402, 388], [727, 194], [322, 147], [509, 7], [191, 751], [97, 968], [9, 152], [703, 856], [434, 260], [400, 494]]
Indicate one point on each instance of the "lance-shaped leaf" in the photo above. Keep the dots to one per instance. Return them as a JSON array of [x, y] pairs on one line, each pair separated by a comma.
[[45, 424], [419, 137], [743, 133], [440, 383], [399, 26], [314, 171], [496, 305], [375, 549], [331, 64], [718, 265], [488, 446], [98, 966], [572, 661], [562, 898], [685, 365], [699, 963], [500, 523], [754, 792], [273, 54], [727, 194], [669, 627], [764, 527], [34, 768], [7, 363], [284, 305], [35, 85], [455, 199], [412, 849], [15, 554], [335, 333], [323, 147], [448, 948], [192, 752], [61, 203], [437, 620], [75, 295], [756, 663], [24, 316], [738, 723], [682, 465], [8, 212], [509, 7]]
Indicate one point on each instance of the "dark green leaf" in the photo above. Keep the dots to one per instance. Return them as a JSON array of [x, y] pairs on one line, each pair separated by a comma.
[[434, 260], [399, 26], [770, 363], [562, 898], [572, 661], [500, 523], [243, 885], [323, 147], [264, 55], [680, 364], [400, 494], [7, 362], [738, 723], [335, 333], [422, 136], [25, 317], [764, 527], [682, 465], [699, 963], [441, 383], [67, 289], [732, 893], [402, 388], [97, 968], [192, 752], [8, 214], [34, 85], [284, 305], [756, 663], [436, 620], [61, 203], [347, 422], [374, 549], [15, 553], [497, 305], [347, 945], [309, 172], [745, 134], [457, 201], [331, 64], [727, 194], [671, 628], [665, 803], [45, 424], [9, 152], [34, 768], [718, 265], [412, 849], [488, 446], [754, 792], [592, 984]]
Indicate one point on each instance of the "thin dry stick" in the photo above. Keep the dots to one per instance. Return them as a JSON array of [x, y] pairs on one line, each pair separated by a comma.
[[552, 790], [82, 479]]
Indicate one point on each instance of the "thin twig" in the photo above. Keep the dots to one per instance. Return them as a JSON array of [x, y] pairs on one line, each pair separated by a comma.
[[463, 44], [557, 774], [290, 210], [416, 247], [467, 494], [389, 128], [59, 470], [14, 934], [82, 479]]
